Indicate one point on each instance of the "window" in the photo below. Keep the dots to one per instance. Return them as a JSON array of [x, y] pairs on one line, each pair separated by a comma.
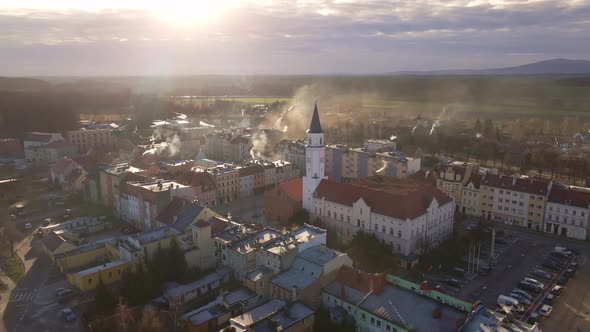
[[378, 323], [388, 328], [391, 231], [372, 320], [383, 229], [399, 233], [376, 228], [90, 281], [363, 317]]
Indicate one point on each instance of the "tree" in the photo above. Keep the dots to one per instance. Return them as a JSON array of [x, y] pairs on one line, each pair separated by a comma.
[[299, 218], [150, 322], [176, 260], [478, 126], [105, 301], [124, 317]]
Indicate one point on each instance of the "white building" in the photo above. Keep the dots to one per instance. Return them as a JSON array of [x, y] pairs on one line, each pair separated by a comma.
[[314, 159], [567, 211], [32, 142]]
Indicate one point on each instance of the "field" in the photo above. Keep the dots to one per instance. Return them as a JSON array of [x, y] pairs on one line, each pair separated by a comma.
[[12, 266]]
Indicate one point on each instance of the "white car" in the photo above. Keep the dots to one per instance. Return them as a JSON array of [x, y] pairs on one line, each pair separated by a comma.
[[28, 225], [545, 310]]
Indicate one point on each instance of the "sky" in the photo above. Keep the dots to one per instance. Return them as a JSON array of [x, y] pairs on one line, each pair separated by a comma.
[[244, 37]]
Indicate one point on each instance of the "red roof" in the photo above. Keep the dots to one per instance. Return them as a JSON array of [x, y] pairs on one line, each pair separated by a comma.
[[218, 225], [520, 184], [400, 199], [574, 196], [361, 281], [293, 188]]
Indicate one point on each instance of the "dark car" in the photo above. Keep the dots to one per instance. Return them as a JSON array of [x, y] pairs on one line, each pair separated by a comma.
[[551, 266], [573, 250], [569, 272], [452, 282], [529, 287], [541, 274], [562, 280]]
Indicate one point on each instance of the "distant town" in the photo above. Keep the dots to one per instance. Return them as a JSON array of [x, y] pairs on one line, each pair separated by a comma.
[[258, 224]]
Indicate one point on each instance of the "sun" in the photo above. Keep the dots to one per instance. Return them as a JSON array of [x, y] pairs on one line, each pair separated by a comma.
[[189, 12]]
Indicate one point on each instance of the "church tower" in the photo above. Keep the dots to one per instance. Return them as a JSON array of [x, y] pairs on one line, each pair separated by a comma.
[[314, 159]]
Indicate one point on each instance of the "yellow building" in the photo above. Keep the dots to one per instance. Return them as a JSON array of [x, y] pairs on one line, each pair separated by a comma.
[[87, 255], [107, 273], [54, 244]]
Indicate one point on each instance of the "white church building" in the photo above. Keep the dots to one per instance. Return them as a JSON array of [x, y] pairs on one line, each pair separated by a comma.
[[412, 216]]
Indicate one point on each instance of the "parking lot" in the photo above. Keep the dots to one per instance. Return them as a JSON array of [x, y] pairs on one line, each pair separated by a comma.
[[520, 252]]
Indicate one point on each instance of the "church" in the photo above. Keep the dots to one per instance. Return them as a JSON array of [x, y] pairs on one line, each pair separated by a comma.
[[414, 217]]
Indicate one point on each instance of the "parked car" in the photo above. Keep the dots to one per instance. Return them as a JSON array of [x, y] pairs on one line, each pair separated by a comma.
[[59, 290], [545, 310], [573, 250], [562, 280], [68, 315], [451, 282], [569, 272], [559, 254], [523, 294], [28, 225], [46, 222], [510, 302], [550, 265], [556, 290], [64, 292], [541, 274], [534, 281], [533, 318], [549, 299], [527, 286], [523, 300]]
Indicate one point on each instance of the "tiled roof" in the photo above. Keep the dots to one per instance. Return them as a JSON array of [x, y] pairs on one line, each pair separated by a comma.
[[516, 183], [52, 241], [424, 176], [402, 201], [476, 179], [574, 196], [218, 225], [293, 188], [360, 280]]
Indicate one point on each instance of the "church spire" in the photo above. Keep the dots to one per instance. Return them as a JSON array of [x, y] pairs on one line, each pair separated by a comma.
[[315, 127]]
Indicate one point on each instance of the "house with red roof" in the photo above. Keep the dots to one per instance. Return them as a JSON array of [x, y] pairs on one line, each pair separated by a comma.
[[413, 217], [567, 212], [282, 201]]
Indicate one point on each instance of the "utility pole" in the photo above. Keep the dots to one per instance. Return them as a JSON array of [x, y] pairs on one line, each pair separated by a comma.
[[493, 246]]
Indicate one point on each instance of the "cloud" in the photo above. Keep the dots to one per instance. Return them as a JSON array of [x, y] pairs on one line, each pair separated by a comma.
[[305, 36]]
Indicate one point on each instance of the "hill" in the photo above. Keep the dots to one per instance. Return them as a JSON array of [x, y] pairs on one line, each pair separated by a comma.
[[546, 67]]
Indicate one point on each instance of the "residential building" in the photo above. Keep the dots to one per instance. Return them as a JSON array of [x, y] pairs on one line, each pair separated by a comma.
[[107, 273], [202, 183], [378, 145], [237, 247], [54, 151], [32, 141], [240, 148], [413, 217], [91, 135], [453, 177], [183, 294], [144, 201], [227, 182], [144, 245], [244, 322], [568, 208], [95, 253], [258, 281], [296, 317], [380, 303], [293, 152], [470, 197], [311, 270], [282, 201], [277, 254], [515, 200], [111, 178], [54, 244], [68, 175], [250, 176]]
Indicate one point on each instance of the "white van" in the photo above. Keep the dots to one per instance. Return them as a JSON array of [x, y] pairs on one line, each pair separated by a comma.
[[506, 301]]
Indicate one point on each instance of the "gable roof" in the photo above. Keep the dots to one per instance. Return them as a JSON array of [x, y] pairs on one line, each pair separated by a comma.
[[293, 188], [517, 183], [52, 241], [573, 196], [188, 214], [38, 137], [218, 225], [360, 280], [173, 209], [403, 200], [475, 179]]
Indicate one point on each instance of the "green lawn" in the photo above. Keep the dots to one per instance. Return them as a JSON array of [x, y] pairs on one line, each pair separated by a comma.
[[12, 266]]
